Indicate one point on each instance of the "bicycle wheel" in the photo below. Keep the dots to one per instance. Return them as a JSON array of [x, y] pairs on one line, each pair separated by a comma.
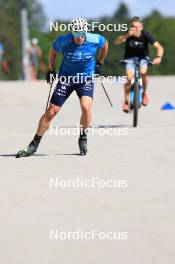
[[136, 104]]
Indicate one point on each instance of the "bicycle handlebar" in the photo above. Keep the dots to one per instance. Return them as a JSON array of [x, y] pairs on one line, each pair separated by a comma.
[[149, 62]]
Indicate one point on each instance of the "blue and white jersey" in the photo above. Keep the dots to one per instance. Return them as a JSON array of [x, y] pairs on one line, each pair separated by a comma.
[[78, 58]]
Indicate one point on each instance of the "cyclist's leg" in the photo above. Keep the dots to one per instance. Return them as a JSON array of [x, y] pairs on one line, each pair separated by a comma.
[[144, 75], [130, 74], [130, 69]]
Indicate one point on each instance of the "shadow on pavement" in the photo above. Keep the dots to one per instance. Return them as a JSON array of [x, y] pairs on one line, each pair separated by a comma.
[[112, 126], [42, 155], [100, 126]]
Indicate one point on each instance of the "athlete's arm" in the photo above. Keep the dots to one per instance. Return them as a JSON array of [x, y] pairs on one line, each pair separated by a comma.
[[160, 52], [52, 59], [51, 74], [121, 39], [102, 52]]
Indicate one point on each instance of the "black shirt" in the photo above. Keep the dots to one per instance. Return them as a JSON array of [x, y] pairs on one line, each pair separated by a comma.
[[138, 46]]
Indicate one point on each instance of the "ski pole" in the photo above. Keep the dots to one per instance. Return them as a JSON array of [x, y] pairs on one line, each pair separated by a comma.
[[48, 99], [106, 94]]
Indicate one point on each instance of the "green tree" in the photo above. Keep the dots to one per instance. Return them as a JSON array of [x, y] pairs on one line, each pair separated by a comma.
[[10, 30], [36, 15], [122, 13]]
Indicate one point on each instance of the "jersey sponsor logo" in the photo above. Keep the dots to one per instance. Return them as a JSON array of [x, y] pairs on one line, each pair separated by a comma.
[[136, 44], [63, 87], [61, 90], [88, 87], [60, 94], [78, 56]]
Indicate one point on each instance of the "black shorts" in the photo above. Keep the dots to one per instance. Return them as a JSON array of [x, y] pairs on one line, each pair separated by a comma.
[[63, 90]]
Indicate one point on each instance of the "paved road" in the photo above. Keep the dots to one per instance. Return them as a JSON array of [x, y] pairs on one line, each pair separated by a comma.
[[141, 161]]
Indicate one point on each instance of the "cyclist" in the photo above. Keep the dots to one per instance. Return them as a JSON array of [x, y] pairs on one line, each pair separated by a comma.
[[137, 42], [79, 49]]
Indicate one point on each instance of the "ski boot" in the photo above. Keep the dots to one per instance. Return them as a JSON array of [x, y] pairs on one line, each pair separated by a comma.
[[82, 142], [30, 149]]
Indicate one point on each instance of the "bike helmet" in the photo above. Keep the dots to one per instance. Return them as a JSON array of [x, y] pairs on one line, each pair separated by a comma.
[[79, 25]]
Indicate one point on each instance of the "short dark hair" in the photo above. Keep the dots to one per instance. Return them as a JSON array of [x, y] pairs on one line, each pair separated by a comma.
[[136, 19]]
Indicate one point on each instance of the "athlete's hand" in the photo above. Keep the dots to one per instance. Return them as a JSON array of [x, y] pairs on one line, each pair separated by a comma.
[[98, 67], [156, 60], [50, 76], [131, 32]]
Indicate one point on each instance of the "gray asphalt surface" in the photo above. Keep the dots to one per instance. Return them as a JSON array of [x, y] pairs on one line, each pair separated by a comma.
[[144, 158]]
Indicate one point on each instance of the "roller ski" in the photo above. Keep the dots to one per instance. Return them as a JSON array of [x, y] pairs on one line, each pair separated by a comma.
[[30, 149]]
